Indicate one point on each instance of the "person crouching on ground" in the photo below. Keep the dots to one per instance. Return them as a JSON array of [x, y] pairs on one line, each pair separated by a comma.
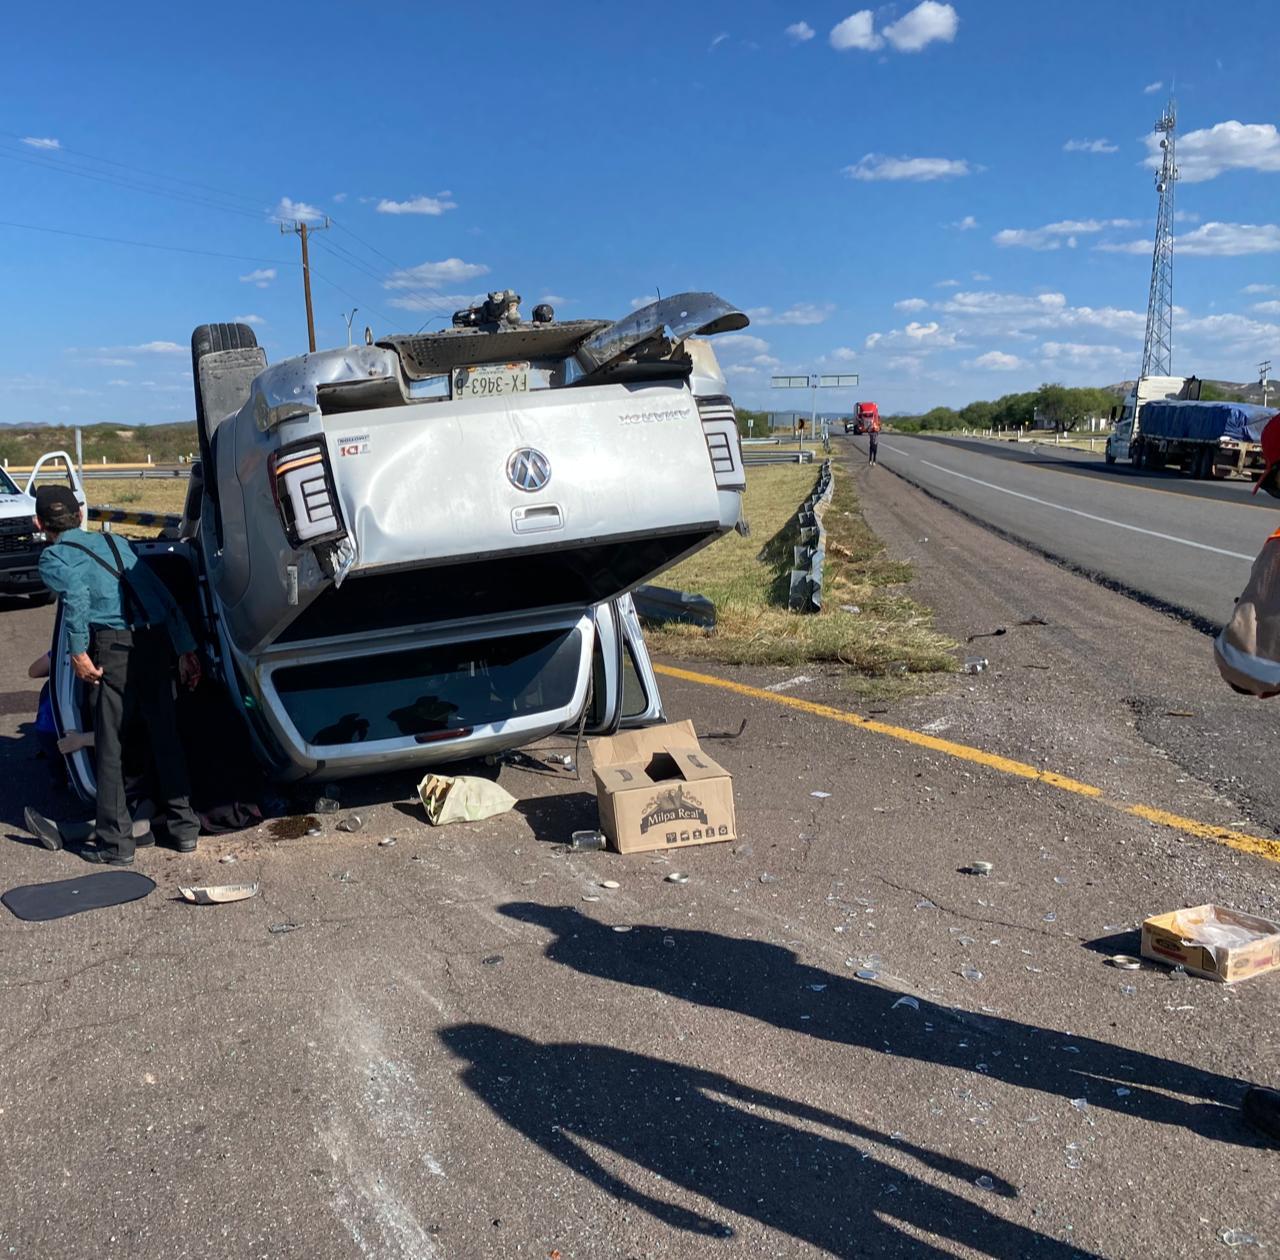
[[122, 629]]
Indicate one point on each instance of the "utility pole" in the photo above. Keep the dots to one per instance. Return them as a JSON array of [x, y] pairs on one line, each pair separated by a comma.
[[300, 227], [1264, 368]]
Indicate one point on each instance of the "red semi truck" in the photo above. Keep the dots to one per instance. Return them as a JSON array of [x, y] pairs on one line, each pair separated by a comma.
[[860, 421]]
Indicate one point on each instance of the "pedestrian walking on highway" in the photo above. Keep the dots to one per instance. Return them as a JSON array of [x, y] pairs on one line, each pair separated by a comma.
[[122, 628], [873, 441], [1248, 655]]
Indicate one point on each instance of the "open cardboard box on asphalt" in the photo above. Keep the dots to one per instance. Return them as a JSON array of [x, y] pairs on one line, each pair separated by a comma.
[[1214, 942], [657, 789]]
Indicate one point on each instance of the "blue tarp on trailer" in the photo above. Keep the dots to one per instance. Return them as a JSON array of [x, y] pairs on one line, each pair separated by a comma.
[[1205, 421]]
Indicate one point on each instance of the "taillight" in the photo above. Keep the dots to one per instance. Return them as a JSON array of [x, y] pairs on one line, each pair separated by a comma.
[[720, 428], [303, 489]]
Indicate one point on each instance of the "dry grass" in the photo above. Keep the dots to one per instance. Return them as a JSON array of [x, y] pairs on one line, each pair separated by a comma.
[[137, 494], [889, 638]]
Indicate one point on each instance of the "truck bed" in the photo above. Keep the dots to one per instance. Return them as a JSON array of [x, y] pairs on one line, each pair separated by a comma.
[[1177, 421]]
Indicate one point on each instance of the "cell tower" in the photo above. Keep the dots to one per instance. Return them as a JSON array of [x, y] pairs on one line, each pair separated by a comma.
[[1157, 349]]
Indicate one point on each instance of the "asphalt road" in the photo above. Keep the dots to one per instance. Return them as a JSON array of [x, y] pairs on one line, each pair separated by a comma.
[[1185, 544], [454, 1053]]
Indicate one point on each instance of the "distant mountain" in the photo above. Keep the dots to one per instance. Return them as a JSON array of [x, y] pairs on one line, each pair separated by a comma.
[[23, 444], [1244, 391]]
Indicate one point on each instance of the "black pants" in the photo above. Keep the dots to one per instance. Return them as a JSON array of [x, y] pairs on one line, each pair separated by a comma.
[[873, 446], [136, 693]]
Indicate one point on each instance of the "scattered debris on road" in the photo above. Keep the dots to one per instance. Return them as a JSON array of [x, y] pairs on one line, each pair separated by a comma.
[[217, 894], [465, 798], [1214, 942]]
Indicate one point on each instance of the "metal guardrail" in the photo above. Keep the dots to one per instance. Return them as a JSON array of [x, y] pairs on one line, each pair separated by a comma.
[[118, 516], [805, 593], [752, 459]]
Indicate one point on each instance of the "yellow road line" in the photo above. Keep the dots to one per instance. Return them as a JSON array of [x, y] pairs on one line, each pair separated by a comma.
[[1240, 840]]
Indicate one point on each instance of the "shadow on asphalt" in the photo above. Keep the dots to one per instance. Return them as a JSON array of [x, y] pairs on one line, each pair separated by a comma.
[[553, 819], [766, 982], [713, 1137]]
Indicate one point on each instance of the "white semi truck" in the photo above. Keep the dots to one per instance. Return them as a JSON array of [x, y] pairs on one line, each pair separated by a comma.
[[1163, 422]]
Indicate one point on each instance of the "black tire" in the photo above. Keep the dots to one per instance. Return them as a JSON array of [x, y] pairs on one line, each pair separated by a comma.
[[210, 339], [1108, 457]]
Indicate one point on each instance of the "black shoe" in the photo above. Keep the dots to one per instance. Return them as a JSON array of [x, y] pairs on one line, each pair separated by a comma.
[[145, 840], [1262, 1110], [185, 846], [105, 857], [44, 829]]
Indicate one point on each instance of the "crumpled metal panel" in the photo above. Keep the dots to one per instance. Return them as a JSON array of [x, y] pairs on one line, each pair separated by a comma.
[[433, 354], [287, 390], [683, 315]]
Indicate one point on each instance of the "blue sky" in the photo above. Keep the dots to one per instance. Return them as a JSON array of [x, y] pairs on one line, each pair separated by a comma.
[[947, 199]]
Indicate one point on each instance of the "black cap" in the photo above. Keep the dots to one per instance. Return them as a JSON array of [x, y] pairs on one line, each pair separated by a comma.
[[57, 507]]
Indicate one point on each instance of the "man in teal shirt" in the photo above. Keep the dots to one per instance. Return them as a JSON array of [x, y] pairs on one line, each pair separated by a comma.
[[122, 629]]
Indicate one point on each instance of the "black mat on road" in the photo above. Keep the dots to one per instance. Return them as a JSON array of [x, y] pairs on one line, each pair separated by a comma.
[[56, 900]]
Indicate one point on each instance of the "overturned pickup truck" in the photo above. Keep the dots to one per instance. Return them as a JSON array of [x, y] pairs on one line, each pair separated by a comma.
[[421, 549]]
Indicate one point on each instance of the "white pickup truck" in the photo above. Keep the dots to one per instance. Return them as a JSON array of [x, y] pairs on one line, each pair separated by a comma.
[[20, 541], [423, 549]]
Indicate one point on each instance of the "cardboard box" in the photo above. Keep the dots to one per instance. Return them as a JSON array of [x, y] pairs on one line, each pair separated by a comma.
[[1214, 942], [657, 789]]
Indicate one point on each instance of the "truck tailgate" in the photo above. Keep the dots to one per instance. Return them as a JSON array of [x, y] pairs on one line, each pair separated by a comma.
[[435, 482]]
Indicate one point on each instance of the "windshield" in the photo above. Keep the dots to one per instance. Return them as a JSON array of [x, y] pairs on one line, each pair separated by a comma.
[[394, 695], [6, 484]]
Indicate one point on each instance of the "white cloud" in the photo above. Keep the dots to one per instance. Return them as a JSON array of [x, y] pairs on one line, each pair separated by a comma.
[[1239, 329], [1230, 240], [1266, 308], [1261, 288], [743, 343], [717, 40], [981, 277], [1228, 146], [112, 362], [967, 224], [290, 211], [637, 303], [1090, 146], [1056, 235], [766, 361], [1185, 216], [802, 313], [1075, 354], [416, 205], [158, 347], [437, 303], [431, 275], [248, 319], [1152, 88], [915, 337], [910, 304], [799, 32], [552, 300], [340, 197], [844, 354], [121, 383], [262, 277], [998, 361], [905, 363], [928, 23], [41, 142], [877, 166], [856, 31], [1212, 240], [947, 284]]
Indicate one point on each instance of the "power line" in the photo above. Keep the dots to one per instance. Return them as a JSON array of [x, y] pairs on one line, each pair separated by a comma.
[[119, 240], [124, 166]]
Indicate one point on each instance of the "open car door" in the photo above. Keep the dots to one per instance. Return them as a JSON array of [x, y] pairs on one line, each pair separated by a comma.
[[56, 467], [625, 689]]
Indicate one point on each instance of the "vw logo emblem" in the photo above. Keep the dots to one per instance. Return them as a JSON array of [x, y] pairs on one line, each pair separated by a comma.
[[528, 469]]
